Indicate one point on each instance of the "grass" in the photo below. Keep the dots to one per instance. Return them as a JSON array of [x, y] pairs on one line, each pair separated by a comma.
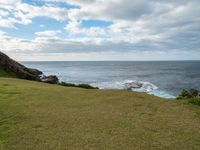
[[36, 116]]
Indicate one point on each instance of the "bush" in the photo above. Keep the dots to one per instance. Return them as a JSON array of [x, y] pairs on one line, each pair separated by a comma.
[[67, 84], [85, 86], [184, 94], [194, 93], [195, 101], [192, 96]]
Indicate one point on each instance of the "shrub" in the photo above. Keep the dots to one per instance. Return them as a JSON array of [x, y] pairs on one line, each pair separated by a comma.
[[184, 94], [194, 93], [195, 101], [192, 96], [67, 84]]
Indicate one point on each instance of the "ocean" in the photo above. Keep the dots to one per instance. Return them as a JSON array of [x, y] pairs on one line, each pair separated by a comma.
[[161, 78]]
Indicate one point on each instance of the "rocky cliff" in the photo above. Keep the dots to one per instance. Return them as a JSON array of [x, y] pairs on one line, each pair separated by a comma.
[[8, 64]]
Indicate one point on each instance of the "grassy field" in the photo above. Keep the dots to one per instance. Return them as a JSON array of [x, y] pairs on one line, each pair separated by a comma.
[[37, 116]]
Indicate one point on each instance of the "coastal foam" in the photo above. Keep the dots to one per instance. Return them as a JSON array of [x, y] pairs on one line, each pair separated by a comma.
[[138, 86]]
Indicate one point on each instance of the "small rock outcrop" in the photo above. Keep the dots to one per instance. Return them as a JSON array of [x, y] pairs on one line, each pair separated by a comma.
[[50, 79], [8, 64], [134, 85]]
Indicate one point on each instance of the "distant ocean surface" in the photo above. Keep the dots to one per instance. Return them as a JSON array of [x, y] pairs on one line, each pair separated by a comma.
[[160, 78]]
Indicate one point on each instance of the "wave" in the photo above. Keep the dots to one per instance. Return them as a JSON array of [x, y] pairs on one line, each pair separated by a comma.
[[138, 86]]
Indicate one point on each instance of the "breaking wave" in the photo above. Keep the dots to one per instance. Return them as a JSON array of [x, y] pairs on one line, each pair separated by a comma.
[[138, 86]]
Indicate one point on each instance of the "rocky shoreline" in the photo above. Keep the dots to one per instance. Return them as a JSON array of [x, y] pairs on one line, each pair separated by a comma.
[[8, 64], [20, 71]]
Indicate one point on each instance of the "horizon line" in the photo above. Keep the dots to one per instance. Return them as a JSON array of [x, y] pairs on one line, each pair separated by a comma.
[[106, 60]]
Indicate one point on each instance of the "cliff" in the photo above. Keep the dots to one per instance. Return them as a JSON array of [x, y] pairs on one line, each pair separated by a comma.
[[10, 65]]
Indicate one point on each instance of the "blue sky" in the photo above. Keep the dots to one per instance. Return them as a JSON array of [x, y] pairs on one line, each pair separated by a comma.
[[100, 30]]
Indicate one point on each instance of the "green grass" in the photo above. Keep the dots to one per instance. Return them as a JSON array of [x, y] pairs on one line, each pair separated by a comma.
[[37, 116]]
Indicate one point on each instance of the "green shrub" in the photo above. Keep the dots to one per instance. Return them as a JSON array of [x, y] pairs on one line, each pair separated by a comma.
[[194, 93], [184, 94], [67, 84], [195, 101]]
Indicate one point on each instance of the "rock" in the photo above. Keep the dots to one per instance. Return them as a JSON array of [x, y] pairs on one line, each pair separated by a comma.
[[23, 72], [133, 85], [35, 71], [50, 79], [18, 69]]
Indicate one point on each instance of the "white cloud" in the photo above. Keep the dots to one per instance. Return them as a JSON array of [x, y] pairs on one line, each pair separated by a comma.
[[48, 33], [87, 49], [30, 11], [6, 23], [9, 2], [138, 26], [2, 33], [74, 28], [16, 12]]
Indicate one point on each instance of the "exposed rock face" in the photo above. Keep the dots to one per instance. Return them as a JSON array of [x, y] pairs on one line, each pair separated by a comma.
[[50, 79], [23, 72]]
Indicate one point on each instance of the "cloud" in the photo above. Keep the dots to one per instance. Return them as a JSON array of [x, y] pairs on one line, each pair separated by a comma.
[[29, 11], [48, 33], [137, 20], [138, 26], [52, 48], [16, 12], [2, 33], [9, 2]]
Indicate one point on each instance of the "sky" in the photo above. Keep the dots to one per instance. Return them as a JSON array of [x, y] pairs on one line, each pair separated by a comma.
[[92, 30]]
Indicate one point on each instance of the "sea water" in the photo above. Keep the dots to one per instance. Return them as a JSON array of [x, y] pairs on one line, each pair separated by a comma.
[[161, 78]]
